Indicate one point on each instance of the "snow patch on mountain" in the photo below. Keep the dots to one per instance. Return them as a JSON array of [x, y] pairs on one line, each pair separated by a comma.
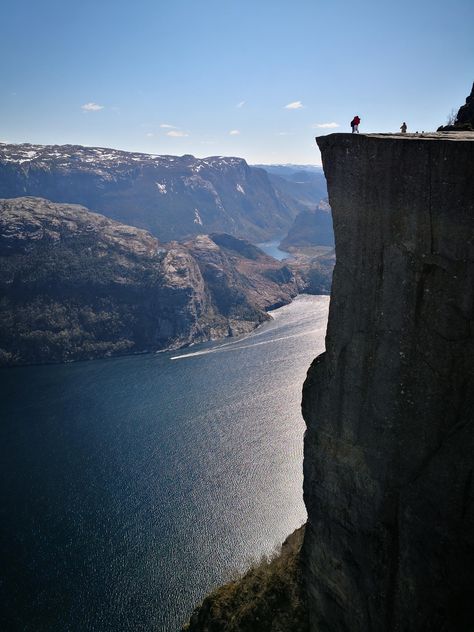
[[197, 217], [160, 192], [103, 159]]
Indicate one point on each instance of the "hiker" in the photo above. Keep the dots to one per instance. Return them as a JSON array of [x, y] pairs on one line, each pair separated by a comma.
[[403, 127], [355, 124]]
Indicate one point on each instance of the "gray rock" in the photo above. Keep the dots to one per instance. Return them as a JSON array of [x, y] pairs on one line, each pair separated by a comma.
[[76, 285], [465, 114], [465, 117], [389, 407]]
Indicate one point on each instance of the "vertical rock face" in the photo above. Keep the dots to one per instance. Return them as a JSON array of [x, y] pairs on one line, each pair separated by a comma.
[[389, 449], [466, 112]]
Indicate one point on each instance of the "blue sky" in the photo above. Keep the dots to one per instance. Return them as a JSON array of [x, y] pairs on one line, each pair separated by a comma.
[[219, 74]]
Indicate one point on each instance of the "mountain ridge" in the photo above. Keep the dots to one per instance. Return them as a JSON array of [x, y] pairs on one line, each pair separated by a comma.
[[174, 197]]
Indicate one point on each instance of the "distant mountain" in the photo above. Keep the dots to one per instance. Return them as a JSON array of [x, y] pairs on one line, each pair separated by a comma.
[[77, 285], [300, 186], [314, 267], [172, 197], [289, 169], [312, 227], [301, 190], [304, 189]]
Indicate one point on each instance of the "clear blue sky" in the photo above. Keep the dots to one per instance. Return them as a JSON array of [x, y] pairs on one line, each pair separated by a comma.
[[221, 72]]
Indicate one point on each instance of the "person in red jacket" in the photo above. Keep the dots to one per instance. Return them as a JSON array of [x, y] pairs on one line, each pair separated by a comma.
[[355, 124]]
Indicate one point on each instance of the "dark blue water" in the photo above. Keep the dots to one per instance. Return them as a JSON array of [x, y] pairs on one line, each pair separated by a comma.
[[132, 486]]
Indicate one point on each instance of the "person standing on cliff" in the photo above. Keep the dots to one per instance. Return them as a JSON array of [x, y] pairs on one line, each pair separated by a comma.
[[403, 127], [355, 124]]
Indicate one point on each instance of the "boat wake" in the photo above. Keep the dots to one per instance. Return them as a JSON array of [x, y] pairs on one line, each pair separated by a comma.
[[236, 346]]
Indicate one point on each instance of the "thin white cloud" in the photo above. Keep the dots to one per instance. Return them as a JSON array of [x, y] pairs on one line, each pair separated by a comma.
[[326, 125], [150, 134], [240, 104], [176, 133], [283, 133], [166, 126], [234, 132], [294, 105], [91, 107]]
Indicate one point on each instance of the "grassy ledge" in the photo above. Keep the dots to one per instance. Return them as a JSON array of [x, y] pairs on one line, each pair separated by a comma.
[[268, 597]]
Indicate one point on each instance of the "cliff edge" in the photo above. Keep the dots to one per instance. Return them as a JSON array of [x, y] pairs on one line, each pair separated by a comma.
[[389, 407]]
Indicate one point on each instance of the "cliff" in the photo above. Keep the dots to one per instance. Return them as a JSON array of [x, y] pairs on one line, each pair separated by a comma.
[[389, 406], [76, 285]]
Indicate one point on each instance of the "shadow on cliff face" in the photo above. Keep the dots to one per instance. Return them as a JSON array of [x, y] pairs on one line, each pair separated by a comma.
[[268, 598]]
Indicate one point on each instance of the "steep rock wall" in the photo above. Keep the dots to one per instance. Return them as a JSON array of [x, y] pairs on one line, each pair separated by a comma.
[[389, 448]]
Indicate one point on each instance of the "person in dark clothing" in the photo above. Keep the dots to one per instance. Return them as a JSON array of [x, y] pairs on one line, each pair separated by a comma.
[[355, 124], [403, 128]]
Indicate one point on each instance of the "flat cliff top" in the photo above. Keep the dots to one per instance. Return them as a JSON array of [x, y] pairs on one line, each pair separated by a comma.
[[453, 136]]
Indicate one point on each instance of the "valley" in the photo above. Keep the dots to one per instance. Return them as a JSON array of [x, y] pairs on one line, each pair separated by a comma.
[[137, 271]]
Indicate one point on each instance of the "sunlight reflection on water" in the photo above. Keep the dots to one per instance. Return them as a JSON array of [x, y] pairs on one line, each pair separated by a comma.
[[134, 485]]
